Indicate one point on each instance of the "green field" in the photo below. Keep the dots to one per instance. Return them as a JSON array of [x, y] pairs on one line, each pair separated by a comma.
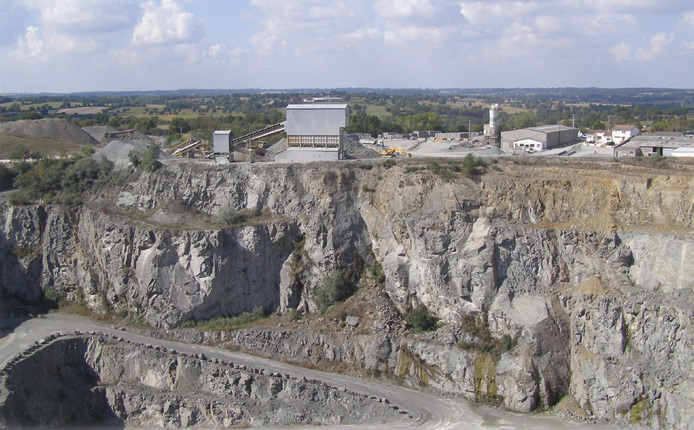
[[377, 110], [53, 105]]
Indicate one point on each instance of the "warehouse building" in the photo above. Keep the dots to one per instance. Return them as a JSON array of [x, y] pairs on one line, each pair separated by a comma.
[[314, 132], [539, 138], [661, 145]]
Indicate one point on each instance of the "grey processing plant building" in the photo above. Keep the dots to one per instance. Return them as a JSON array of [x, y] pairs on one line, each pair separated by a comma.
[[538, 138], [313, 132]]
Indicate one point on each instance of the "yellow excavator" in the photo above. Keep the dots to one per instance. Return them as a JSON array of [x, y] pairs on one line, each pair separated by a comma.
[[394, 152]]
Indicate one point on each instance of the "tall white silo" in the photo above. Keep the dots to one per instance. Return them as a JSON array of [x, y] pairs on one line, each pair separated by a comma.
[[494, 119]]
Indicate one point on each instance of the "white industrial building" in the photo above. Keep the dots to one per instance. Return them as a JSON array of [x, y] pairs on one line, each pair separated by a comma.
[[538, 138], [662, 145], [314, 132], [221, 145], [623, 132]]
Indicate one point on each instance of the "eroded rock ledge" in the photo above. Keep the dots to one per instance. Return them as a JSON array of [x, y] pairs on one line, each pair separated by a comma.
[[108, 381]]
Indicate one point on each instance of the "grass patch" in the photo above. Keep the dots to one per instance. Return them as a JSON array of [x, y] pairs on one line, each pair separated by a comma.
[[23, 251], [377, 275], [469, 166], [235, 217], [410, 364], [481, 338], [389, 163], [484, 379], [639, 411], [299, 262], [294, 315], [225, 323]]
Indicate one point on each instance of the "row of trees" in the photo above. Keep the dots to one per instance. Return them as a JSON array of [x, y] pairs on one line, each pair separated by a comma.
[[398, 110]]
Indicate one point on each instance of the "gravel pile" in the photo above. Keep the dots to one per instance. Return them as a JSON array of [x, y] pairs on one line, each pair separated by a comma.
[[55, 128], [490, 152], [126, 135], [355, 150], [278, 147], [98, 131], [117, 151]]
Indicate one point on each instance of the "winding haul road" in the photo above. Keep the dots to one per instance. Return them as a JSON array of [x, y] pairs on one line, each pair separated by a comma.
[[426, 411]]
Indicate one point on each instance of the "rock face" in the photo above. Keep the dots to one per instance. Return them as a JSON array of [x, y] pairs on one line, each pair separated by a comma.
[[586, 269], [95, 381]]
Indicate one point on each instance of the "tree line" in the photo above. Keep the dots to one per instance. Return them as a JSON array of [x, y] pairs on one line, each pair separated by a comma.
[[372, 112]]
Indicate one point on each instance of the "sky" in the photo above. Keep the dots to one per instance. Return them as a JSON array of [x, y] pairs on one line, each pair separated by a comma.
[[128, 45]]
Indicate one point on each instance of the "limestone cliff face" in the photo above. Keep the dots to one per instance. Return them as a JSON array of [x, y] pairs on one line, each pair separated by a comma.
[[92, 381], [588, 268]]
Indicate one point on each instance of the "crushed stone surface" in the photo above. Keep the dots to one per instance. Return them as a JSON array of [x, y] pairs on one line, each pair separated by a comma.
[[55, 128]]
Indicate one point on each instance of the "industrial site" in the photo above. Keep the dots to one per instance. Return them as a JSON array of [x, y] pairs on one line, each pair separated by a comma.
[[301, 261], [315, 131]]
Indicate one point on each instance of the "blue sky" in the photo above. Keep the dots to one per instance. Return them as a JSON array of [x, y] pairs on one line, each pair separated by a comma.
[[90, 45]]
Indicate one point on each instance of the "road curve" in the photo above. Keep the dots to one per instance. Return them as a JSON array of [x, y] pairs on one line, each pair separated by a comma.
[[426, 411]]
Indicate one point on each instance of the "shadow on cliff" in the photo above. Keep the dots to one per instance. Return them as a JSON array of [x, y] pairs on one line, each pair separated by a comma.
[[56, 388]]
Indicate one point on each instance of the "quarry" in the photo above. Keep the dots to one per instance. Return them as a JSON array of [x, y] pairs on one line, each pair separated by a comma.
[[557, 287]]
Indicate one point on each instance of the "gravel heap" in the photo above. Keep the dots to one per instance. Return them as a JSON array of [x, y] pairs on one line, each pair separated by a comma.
[[117, 151], [278, 147], [355, 150], [55, 128], [126, 135], [98, 131]]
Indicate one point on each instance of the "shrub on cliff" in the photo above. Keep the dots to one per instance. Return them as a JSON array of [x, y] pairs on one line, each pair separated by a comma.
[[337, 286], [420, 320], [147, 160], [456, 169], [6, 177], [231, 216], [480, 337]]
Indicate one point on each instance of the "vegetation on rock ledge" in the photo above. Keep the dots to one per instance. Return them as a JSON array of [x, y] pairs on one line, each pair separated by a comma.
[[59, 181]]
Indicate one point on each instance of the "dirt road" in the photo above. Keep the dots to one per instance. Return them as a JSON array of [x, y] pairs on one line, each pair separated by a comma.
[[426, 411]]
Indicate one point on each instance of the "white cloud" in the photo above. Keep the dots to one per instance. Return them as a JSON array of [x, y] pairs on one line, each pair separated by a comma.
[[362, 35], [44, 46], [621, 53], [31, 45], [600, 25], [632, 6], [657, 48], [419, 35], [498, 13], [167, 24], [687, 21], [301, 27], [403, 9], [80, 16], [72, 26]]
